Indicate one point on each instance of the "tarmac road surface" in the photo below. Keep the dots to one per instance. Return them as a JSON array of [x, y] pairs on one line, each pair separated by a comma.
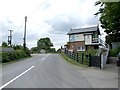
[[51, 71]]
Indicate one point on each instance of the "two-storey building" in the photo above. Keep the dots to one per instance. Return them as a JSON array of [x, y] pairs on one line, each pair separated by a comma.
[[82, 39]]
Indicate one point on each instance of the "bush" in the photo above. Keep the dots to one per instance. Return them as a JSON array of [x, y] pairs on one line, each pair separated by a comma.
[[89, 51], [5, 57], [0, 56], [11, 56], [14, 55], [114, 52], [27, 52], [92, 51]]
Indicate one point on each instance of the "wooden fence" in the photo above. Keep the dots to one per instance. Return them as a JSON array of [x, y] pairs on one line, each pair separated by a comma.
[[85, 58]]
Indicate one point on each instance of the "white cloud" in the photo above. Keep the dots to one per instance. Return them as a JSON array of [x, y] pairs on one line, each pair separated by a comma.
[[51, 18]]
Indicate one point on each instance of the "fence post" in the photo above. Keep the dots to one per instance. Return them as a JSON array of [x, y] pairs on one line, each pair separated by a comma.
[[82, 57], [100, 60], [65, 51], [73, 56], [89, 60], [70, 54], [77, 57]]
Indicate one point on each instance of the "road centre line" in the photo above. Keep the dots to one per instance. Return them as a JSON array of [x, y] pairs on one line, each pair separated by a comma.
[[45, 57], [16, 77]]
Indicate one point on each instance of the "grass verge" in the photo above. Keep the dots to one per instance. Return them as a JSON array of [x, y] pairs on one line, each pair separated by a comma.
[[71, 61]]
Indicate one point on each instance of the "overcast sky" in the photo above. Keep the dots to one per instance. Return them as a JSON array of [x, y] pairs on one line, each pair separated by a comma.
[[46, 18]]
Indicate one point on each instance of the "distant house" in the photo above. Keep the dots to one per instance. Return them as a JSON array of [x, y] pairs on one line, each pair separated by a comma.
[[6, 49], [42, 51], [82, 39]]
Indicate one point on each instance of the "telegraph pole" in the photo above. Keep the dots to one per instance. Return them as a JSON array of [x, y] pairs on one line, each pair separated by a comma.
[[24, 39], [10, 38]]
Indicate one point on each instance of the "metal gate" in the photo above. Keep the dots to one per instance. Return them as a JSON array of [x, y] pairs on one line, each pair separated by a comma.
[[96, 61]]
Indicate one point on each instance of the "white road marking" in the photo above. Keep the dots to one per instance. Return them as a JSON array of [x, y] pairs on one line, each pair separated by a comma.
[[16, 77], [45, 58]]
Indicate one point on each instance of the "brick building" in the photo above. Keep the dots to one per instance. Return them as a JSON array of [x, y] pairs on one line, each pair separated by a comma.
[[82, 39]]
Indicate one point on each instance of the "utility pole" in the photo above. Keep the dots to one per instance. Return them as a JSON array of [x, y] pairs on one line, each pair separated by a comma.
[[24, 39], [10, 38]]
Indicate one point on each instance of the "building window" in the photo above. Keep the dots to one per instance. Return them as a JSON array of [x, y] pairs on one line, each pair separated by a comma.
[[72, 38], [82, 48], [79, 48]]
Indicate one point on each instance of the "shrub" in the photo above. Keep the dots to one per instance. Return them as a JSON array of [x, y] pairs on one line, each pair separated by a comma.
[[21, 54], [27, 52], [89, 51], [0, 56], [11, 56], [5, 57], [114, 52], [14, 55]]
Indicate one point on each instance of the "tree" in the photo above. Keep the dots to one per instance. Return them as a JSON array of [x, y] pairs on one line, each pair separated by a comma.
[[44, 43], [34, 49], [52, 50], [59, 50], [18, 47], [110, 19], [4, 44]]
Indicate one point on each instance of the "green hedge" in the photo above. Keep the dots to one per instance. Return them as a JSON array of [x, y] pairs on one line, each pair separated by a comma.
[[0, 56], [90, 51], [114, 52], [14, 55]]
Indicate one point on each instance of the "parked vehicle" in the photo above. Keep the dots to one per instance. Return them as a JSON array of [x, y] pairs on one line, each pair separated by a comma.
[[118, 60]]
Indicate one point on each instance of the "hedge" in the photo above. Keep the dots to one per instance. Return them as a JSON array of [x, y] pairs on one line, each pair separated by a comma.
[[114, 52], [14, 55], [0, 56], [89, 51]]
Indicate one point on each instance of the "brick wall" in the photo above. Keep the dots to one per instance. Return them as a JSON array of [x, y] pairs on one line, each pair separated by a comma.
[[74, 45]]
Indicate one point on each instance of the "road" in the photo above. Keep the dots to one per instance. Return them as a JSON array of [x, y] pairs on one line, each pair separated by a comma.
[[51, 71]]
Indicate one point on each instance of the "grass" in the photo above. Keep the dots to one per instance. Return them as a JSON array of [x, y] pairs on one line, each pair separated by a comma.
[[71, 61]]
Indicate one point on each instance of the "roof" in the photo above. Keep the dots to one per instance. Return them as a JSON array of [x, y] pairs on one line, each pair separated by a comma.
[[5, 49], [84, 30]]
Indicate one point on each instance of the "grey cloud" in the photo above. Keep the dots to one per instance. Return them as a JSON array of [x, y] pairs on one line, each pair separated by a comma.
[[17, 34], [17, 38], [59, 25]]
